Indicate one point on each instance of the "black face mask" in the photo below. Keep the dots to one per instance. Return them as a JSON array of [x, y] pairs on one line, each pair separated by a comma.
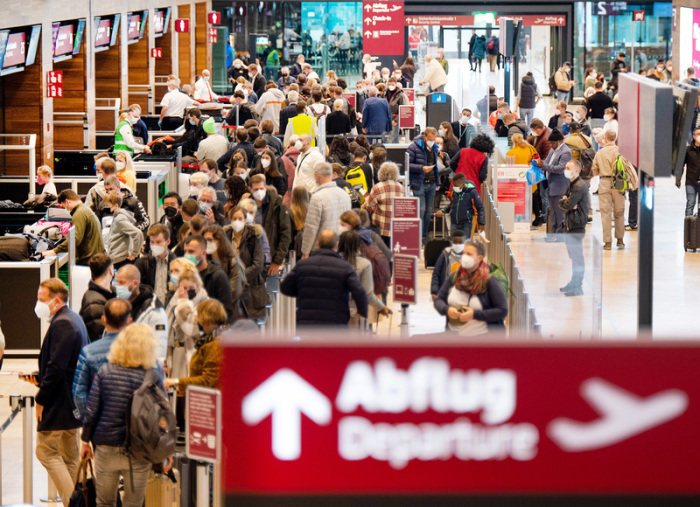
[[285, 76], [191, 294], [171, 212]]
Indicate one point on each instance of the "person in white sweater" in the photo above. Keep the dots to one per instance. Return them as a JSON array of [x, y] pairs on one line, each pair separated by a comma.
[[269, 105], [125, 239]]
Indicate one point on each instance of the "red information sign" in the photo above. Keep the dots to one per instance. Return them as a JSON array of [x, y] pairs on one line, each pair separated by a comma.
[[430, 418], [214, 18], [410, 95], [54, 83], [405, 207], [203, 423], [382, 28], [182, 25], [407, 117], [213, 35], [638, 15], [351, 97], [405, 279], [405, 236], [514, 192], [157, 52]]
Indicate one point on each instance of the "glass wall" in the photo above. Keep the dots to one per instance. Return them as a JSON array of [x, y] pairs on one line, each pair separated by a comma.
[[606, 28], [328, 34]]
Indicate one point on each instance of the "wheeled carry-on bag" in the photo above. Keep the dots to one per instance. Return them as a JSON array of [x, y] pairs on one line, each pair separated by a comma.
[[436, 243], [163, 490], [691, 233]]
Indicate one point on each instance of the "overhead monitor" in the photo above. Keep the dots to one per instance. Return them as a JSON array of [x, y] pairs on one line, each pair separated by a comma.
[[64, 40], [33, 44], [161, 18], [115, 29], [15, 50], [103, 33], [78, 39], [133, 30]]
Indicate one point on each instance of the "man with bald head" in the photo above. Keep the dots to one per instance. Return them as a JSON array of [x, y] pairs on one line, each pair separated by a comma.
[[202, 88], [146, 308], [323, 284], [309, 156]]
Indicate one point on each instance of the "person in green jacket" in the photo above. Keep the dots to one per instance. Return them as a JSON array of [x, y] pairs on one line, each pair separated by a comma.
[[88, 233], [443, 61]]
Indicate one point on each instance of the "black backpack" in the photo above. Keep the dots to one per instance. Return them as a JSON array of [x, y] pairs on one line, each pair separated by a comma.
[[151, 428]]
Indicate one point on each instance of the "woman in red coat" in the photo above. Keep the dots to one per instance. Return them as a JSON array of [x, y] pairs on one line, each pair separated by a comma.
[[473, 162]]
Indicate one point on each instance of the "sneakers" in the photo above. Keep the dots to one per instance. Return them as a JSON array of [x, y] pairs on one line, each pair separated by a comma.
[[537, 222], [629, 227], [607, 246], [552, 238], [574, 291], [566, 288], [620, 243]]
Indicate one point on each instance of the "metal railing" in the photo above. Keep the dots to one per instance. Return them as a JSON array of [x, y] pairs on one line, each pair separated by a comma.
[[521, 320], [24, 404], [282, 313]]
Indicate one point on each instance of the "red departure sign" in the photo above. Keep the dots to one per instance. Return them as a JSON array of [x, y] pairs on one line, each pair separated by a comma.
[[54, 83], [405, 236], [467, 20], [427, 418], [214, 18], [351, 97], [382, 28], [410, 95], [213, 35], [157, 52], [203, 423], [182, 25], [405, 279]]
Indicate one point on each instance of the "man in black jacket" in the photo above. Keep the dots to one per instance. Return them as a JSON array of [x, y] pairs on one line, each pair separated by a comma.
[[194, 133], [129, 202], [240, 111], [96, 296], [214, 279], [155, 267], [692, 174], [57, 428], [257, 79], [172, 216], [273, 215], [242, 143], [617, 66], [575, 204], [321, 284], [286, 113]]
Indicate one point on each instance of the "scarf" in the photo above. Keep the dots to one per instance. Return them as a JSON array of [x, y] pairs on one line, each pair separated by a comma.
[[474, 283]]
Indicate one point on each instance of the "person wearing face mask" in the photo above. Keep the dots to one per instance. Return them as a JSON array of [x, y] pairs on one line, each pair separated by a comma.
[[236, 70], [219, 249], [575, 203], [257, 79], [155, 266], [208, 167], [564, 84], [43, 178], [125, 170], [214, 146], [580, 118], [104, 167], [465, 128], [146, 308], [252, 217], [376, 114], [554, 166], [182, 321], [57, 427], [172, 216], [125, 239], [435, 75], [210, 207], [285, 78], [309, 158], [246, 240], [423, 173], [557, 120], [198, 181], [99, 291], [617, 66], [129, 203], [194, 133], [202, 89], [288, 112], [88, 232], [124, 134], [173, 106], [448, 262], [610, 124], [473, 301], [464, 200], [215, 281], [396, 97], [241, 111], [269, 168]]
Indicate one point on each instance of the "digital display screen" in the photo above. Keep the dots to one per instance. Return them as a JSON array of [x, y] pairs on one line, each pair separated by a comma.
[[115, 29], [262, 41], [15, 50], [134, 28], [158, 21], [78, 37], [33, 44], [103, 33], [64, 40]]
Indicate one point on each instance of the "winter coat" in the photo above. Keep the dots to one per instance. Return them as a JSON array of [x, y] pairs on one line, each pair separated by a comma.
[[554, 166], [337, 123], [105, 417], [92, 308], [435, 75], [58, 359], [147, 309], [147, 267], [277, 226], [124, 239], [480, 47], [494, 304], [519, 127], [269, 106], [576, 197], [91, 359], [182, 323], [418, 158], [363, 270], [129, 203], [443, 268], [250, 253], [461, 207], [205, 367], [321, 284], [218, 286], [376, 115], [528, 93], [473, 164]]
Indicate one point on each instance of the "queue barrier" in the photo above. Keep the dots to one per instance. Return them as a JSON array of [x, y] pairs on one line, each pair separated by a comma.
[[24, 404], [282, 312]]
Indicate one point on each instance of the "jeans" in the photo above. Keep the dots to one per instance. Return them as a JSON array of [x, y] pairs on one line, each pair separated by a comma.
[[691, 194], [464, 226], [110, 464], [426, 196], [596, 123], [527, 114], [562, 96], [574, 247], [58, 452], [632, 214]]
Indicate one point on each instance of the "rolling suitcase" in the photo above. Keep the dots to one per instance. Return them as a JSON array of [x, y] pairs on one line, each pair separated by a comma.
[[163, 490], [187, 480], [691, 233], [436, 243]]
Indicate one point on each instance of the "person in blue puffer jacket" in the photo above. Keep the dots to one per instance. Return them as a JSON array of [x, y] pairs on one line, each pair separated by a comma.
[[465, 198], [132, 354], [423, 174]]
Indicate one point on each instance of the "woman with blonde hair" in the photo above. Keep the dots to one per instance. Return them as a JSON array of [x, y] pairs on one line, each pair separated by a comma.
[[182, 323], [43, 177], [132, 359], [299, 206], [521, 150], [125, 170]]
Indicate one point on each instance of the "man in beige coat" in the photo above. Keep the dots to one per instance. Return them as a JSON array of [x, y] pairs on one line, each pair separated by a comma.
[[434, 75]]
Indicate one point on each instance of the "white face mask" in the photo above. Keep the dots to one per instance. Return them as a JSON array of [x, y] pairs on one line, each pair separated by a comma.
[[299, 145], [568, 174], [441, 132], [133, 121], [206, 78], [458, 248], [237, 65], [249, 218], [42, 310], [120, 165], [391, 88], [607, 117], [238, 225], [457, 190], [265, 162], [468, 262], [430, 143], [697, 139], [195, 191], [157, 250], [577, 116], [259, 195], [439, 147], [242, 176], [343, 228], [211, 247], [463, 120]]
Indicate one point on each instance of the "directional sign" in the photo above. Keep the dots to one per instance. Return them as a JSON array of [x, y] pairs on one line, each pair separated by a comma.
[[213, 35], [382, 28], [182, 25], [405, 236], [430, 418], [407, 117], [157, 52], [54, 83]]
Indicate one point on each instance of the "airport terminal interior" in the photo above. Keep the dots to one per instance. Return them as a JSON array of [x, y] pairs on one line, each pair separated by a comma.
[[152, 84]]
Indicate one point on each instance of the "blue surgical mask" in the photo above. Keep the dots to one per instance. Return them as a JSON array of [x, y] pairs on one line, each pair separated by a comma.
[[204, 207], [123, 292], [174, 279], [191, 122], [192, 259]]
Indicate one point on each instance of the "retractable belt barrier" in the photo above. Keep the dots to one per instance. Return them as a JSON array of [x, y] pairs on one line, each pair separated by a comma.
[[282, 316], [24, 404]]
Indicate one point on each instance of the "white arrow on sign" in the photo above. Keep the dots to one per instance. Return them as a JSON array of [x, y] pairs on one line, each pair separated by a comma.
[[285, 396], [624, 415]]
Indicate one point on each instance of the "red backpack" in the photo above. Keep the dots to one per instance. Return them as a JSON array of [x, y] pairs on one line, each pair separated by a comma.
[[381, 271], [491, 44]]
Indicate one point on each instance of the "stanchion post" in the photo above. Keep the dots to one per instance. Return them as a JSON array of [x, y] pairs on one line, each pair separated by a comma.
[[202, 486], [404, 321], [28, 448], [217, 485]]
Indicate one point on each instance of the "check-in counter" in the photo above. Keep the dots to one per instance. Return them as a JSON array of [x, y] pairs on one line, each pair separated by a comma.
[[396, 152], [171, 164], [19, 283]]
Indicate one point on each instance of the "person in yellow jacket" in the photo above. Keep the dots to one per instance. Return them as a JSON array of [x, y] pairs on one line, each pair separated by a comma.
[[301, 124], [564, 84]]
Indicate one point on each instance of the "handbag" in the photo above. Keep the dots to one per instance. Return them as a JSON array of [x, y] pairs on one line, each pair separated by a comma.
[[84, 494], [258, 294]]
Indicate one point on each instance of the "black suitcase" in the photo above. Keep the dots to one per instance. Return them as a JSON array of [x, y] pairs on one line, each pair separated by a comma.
[[14, 249], [188, 478], [691, 233], [437, 241]]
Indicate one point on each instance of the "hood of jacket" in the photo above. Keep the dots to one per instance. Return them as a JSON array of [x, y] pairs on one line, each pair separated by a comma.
[[128, 214], [528, 80], [365, 235], [143, 300], [278, 94]]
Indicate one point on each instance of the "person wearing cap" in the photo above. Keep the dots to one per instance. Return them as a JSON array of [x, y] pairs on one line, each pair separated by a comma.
[[214, 145], [554, 166], [564, 84], [617, 66]]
